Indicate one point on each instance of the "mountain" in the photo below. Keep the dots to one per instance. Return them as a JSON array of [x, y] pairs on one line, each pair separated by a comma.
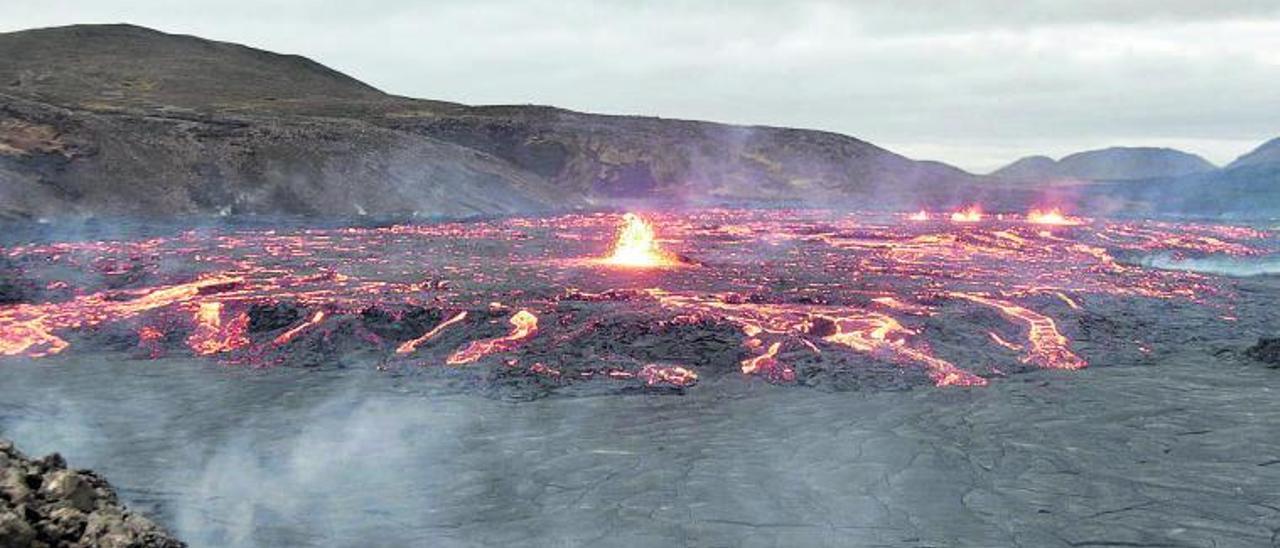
[[121, 120], [1108, 164], [1267, 153], [1249, 192], [1029, 168]]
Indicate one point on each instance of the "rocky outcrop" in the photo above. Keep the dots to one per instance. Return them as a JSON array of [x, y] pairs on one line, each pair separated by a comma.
[[1266, 351], [45, 504]]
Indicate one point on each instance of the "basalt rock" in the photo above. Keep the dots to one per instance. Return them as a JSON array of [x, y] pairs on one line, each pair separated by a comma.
[[45, 504], [1267, 351]]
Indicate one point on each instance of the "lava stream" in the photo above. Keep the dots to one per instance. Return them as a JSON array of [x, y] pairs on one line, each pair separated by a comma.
[[524, 323], [411, 345], [1048, 347]]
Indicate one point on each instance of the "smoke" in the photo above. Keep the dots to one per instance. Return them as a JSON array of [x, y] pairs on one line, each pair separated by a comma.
[[233, 457], [325, 478], [1220, 265]]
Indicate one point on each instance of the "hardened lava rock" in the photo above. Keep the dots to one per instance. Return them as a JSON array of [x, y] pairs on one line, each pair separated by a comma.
[[1266, 351], [44, 504]]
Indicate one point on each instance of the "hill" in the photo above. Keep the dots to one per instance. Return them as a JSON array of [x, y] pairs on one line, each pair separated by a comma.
[[1108, 164], [1267, 153], [123, 120]]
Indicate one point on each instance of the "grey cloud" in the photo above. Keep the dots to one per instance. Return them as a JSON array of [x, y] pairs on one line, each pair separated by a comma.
[[972, 82]]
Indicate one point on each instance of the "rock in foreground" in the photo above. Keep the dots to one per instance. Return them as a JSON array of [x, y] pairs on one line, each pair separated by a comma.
[[42, 503]]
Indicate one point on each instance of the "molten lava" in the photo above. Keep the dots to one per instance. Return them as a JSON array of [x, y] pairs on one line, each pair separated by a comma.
[[211, 335], [637, 246], [524, 323], [412, 344], [1050, 217], [858, 291], [972, 214]]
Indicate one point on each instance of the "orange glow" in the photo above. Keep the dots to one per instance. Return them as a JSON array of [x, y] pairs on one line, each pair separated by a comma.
[[290, 334], [673, 375], [800, 290], [525, 325], [211, 336], [411, 345], [768, 366], [1050, 217], [637, 246], [1048, 347], [27, 330], [972, 214]]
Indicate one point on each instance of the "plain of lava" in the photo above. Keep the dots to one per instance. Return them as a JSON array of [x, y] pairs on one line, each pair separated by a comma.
[[597, 303]]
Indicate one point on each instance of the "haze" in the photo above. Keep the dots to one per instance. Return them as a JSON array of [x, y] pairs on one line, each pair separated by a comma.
[[977, 84]]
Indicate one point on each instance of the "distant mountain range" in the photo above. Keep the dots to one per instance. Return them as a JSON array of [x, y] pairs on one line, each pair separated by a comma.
[[1109, 164], [1266, 154], [120, 120], [1156, 181]]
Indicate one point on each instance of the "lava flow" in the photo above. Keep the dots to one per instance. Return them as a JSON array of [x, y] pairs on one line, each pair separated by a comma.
[[1050, 217], [785, 296], [972, 214], [525, 324], [637, 246]]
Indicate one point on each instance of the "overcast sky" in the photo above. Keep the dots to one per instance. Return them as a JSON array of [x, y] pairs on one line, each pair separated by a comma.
[[976, 83]]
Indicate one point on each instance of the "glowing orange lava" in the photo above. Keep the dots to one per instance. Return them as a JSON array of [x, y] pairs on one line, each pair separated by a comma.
[[972, 214], [212, 336], [290, 334], [525, 325], [1050, 217], [1048, 347], [637, 246], [412, 344], [785, 280]]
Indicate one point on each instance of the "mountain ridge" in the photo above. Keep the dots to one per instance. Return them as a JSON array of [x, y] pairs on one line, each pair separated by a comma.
[[212, 127], [1108, 164]]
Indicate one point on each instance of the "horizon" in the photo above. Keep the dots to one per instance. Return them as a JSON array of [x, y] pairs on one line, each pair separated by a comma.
[[1155, 73]]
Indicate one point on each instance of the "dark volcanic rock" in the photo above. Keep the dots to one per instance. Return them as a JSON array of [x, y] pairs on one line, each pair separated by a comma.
[[272, 316], [42, 503], [1266, 351]]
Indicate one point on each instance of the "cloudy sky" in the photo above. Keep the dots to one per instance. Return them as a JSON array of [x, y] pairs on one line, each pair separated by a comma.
[[976, 83]]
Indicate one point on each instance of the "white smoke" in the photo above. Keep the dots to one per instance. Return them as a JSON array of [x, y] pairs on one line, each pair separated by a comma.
[[1236, 267]]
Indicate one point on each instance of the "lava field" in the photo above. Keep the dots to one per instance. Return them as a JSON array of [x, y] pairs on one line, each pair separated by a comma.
[[602, 303]]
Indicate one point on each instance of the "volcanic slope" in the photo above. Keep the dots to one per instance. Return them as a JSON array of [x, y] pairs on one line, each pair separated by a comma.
[[102, 120]]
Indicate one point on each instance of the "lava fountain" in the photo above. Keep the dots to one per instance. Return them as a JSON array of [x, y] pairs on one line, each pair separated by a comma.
[[637, 246], [1050, 217], [972, 214]]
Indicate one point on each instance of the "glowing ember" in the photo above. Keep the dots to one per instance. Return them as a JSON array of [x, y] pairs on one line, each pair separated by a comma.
[[972, 214], [637, 246], [1050, 217], [525, 325]]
